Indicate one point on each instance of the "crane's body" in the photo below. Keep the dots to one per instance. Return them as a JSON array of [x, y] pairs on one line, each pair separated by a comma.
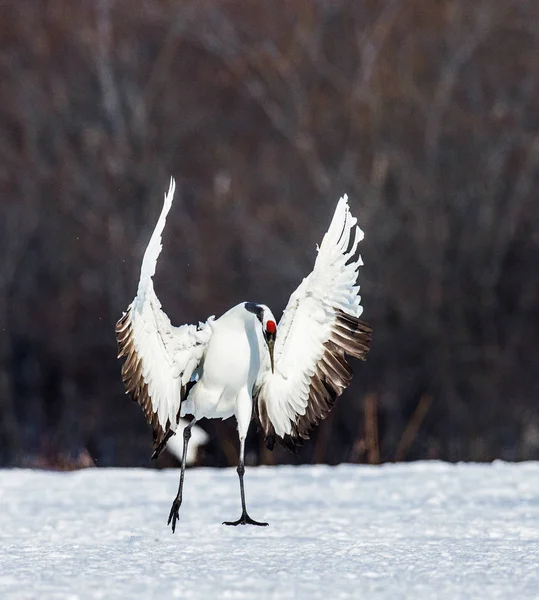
[[289, 375], [232, 362]]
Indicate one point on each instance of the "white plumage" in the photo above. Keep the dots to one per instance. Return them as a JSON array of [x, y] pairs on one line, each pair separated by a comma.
[[160, 356], [292, 373], [308, 322]]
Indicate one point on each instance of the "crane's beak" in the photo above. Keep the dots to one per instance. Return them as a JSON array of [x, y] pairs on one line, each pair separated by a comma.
[[270, 341]]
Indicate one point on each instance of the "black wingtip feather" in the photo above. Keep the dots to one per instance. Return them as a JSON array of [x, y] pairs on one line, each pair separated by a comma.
[[350, 336], [162, 444], [134, 382]]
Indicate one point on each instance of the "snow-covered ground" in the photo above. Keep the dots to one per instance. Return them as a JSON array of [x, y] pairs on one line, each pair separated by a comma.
[[424, 530]]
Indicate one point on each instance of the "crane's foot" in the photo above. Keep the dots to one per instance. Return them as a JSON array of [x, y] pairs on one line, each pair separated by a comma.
[[245, 519], [174, 514]]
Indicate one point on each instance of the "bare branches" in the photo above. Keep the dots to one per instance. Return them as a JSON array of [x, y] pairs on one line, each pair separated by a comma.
[[424, 113]]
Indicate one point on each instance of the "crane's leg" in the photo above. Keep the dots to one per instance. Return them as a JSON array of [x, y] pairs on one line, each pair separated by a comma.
[[175, 510], [244, 419]]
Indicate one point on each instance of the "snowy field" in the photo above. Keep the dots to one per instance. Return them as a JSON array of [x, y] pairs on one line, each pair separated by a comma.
[[423, 530]]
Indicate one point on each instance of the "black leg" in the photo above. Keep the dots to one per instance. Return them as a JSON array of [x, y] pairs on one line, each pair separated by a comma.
[[245, 519], [175, 510]]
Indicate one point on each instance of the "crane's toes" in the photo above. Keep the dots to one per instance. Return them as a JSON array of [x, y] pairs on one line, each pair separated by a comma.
[[174, 514], [245, 519]]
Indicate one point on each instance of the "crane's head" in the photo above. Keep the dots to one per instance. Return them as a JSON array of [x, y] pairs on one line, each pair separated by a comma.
[[269, 326]]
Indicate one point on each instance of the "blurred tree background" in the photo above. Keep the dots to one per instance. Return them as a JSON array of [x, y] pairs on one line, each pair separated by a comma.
[[425, 112]]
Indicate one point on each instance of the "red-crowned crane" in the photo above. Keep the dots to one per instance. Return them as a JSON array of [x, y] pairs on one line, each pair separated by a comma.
[[290, 373]]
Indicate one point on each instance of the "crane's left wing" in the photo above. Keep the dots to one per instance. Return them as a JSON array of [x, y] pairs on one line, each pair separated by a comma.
[[161, 360], [319, 326]]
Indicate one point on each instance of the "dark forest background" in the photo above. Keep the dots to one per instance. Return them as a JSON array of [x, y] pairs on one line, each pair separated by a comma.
[[425, 112]]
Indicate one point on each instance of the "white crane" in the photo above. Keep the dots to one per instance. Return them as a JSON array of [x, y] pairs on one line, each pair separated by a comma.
[[291, 374]]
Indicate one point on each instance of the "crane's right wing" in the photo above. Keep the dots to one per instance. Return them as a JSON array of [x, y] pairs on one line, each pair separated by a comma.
[[161, 360], [319, 328]]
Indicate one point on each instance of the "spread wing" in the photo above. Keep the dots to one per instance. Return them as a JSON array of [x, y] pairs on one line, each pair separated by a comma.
[[161, 360], [319, 327]]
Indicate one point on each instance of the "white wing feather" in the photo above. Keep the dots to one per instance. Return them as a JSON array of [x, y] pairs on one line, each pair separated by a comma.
[[307, 378], [161, 358]]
